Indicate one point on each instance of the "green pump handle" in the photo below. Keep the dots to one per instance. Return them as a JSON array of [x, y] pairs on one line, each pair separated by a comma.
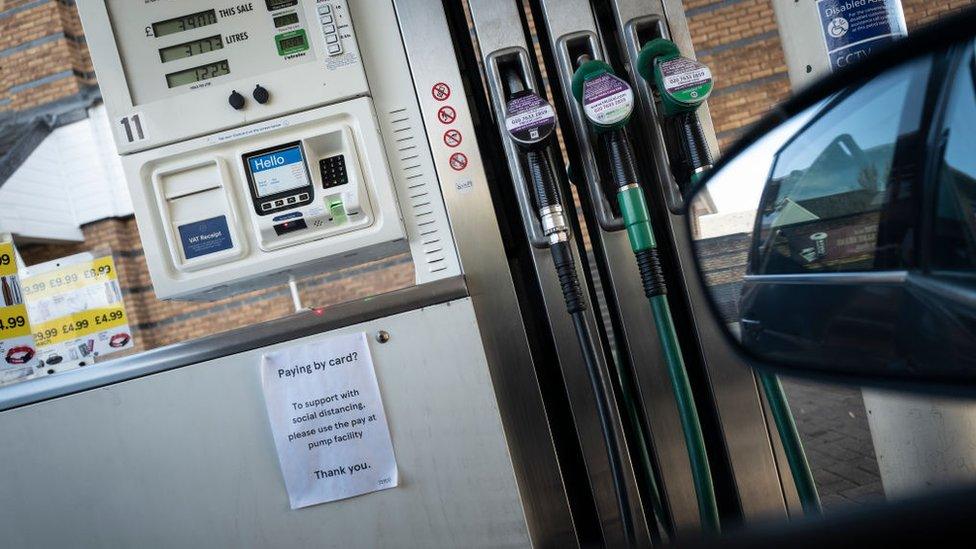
[[682, 83]]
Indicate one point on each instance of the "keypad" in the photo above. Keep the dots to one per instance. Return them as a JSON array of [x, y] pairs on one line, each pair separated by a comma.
[[329, 30], [333, 170]]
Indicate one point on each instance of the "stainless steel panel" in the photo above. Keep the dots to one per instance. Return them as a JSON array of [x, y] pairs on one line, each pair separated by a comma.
[[567, 22], [499, 31], [747, 437], [185, 458], [431, 55], [213, 347]]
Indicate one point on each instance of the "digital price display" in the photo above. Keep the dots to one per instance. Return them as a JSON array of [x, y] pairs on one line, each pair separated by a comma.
[[189, 49], [184, 23], [196, 74], [278, 4], [292, 42], [278, 171], [285, 20]]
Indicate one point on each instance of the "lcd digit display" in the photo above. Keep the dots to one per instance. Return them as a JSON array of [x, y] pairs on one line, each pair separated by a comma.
[[278, 4], [184, 23], [278, 171], [285, 20], [196, 74], [295, 42], [189, 49]]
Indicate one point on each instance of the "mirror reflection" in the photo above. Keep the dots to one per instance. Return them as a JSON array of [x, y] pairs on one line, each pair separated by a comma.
[[845, 239]]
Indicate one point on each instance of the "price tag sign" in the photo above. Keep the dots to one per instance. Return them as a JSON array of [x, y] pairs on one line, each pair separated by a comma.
[[77, 312], [17, 349]]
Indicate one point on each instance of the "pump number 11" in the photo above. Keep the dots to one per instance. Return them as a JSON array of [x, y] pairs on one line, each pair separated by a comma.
[[132, 127]]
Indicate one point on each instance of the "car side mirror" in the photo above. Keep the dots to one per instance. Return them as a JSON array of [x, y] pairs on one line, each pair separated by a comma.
[[838, 239]]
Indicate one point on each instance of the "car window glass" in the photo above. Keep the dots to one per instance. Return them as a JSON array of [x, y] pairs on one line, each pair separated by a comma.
[[834, 185], [953, 240]]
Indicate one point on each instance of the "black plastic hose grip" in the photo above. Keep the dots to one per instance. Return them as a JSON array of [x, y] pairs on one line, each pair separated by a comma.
[[541, 179], [562, 257], [652, 275], [693, 141], [623, 169]]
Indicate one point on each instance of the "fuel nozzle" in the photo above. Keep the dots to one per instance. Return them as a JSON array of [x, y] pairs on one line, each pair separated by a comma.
[[683, 84], [607, 102], [531, 123]]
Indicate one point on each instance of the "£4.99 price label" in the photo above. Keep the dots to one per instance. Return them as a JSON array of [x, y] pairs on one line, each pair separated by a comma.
[[13, 322], [79, 325], [77, 312]]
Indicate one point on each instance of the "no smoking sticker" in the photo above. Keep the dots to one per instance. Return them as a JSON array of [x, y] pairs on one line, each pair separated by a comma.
[[459, 161], [452, 138], [440, 91], [446, 114]]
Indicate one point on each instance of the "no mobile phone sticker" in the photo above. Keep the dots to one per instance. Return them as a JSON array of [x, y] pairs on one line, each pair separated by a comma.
[[327, 420]]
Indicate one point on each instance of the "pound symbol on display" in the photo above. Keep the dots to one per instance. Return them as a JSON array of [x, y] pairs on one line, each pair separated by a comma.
[[149, 32]]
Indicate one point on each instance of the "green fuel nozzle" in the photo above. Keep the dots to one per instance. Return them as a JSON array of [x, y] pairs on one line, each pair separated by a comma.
[[683, 84], [607, 102]]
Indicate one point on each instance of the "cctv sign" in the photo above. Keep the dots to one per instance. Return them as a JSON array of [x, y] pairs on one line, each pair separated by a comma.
[[853, 29]]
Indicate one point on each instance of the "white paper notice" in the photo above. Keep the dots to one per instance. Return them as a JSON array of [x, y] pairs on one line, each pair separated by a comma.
[[328, 421]]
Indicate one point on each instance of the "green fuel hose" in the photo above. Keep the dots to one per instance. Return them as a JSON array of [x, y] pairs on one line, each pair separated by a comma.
[[637, 219], [806, 489], [683, 84], [607, 103]]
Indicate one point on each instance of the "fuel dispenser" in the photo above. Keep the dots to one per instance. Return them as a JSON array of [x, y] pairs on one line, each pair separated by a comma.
[[744, 451], [260, 175], [264, 141], [273, 139], [506, 58]]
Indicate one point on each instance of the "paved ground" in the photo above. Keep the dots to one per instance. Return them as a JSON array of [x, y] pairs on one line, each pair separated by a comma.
[[834, 430]]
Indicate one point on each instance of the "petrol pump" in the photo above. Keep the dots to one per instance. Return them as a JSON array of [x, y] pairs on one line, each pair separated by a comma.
[[541, 388], [264, 141]]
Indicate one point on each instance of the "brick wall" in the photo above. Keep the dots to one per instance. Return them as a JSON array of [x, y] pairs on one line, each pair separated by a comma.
[[43, 54], [739, 40]]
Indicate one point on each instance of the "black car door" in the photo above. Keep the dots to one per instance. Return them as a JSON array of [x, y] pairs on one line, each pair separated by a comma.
[[940, 325], [835, 233]]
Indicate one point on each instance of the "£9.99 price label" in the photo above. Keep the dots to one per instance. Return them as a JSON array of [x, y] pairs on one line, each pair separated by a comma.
[[70, 277]]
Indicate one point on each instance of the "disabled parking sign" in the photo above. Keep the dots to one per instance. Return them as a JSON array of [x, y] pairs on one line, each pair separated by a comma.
[[852, 29]]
